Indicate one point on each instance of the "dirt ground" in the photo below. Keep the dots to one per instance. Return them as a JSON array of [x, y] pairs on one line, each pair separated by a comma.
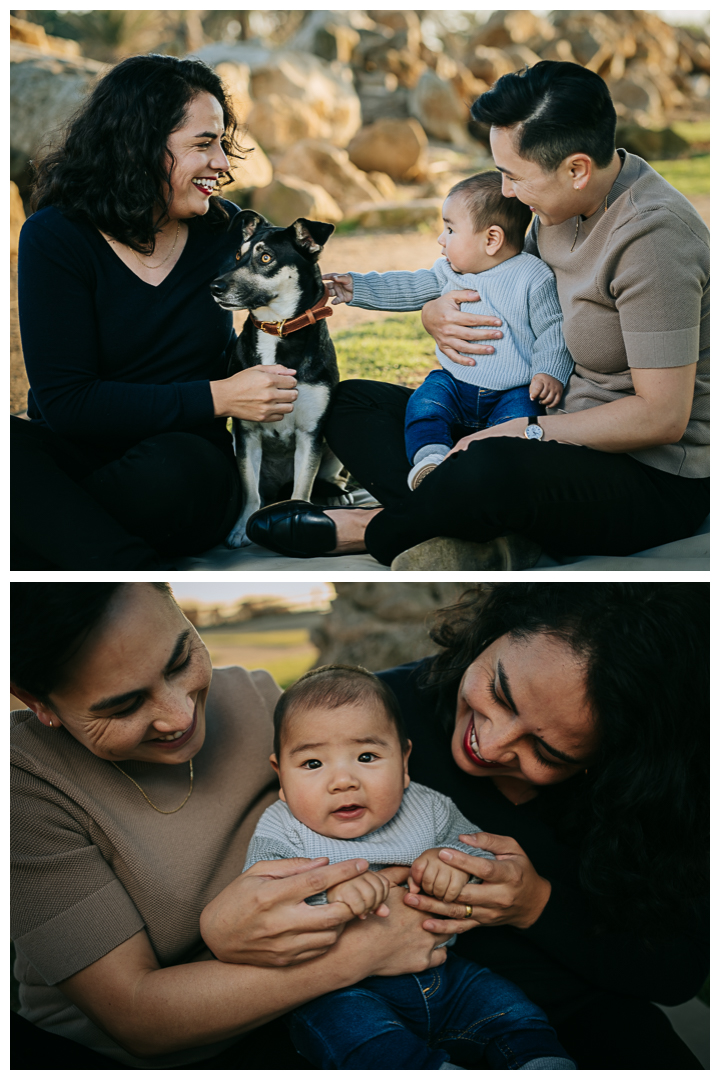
[[359, 251]]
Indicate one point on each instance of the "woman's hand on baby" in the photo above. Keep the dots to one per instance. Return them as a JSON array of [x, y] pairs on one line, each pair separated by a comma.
[[458, 331], [437, 878], [511, 892], [261, 917], [363, 894], [340, 286], [547, 389], [511, 428]]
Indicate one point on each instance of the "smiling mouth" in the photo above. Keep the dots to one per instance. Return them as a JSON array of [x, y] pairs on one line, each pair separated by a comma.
[[205, 184], [349, 812], [472, 749], [176, 738]]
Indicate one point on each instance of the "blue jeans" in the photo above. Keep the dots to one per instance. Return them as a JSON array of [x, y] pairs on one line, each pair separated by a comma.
[[416, 1021], [444, 409]]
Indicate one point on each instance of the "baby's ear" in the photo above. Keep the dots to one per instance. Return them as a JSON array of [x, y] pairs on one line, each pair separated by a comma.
[[406, 755], [276, 766]]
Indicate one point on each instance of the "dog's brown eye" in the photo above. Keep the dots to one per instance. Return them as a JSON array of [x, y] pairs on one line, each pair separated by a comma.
[[265, 258], [237, 256]]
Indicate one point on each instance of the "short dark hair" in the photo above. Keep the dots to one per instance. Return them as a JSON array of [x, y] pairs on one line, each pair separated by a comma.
[[645, 798], [332, 686], [488, 206], [49, 622], [561, 108], [112, 166]]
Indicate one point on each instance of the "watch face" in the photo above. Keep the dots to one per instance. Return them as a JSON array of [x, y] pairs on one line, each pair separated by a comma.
[[533, 431]]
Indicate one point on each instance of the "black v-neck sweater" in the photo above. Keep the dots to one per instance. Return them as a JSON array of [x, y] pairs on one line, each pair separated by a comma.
[[560, 952], [111, 359]]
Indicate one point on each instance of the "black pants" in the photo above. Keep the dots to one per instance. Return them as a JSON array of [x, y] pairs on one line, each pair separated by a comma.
[[78, 509], [569, 499]]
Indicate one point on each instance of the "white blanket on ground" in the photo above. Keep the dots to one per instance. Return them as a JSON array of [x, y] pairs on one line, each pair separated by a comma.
[[692, 553]]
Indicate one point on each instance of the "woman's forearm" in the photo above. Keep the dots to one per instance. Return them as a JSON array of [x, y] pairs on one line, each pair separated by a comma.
[[150, 1010], [655, 415]]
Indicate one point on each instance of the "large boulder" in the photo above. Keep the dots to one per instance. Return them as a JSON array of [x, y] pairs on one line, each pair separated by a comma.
[[236, 80], [32, 34], [488, 63], [295, 95], [399, 214], [277, 122], [395, 147], [320, 162], [327, 88], [441, 110], [287, 198], [45, 91], [254, 171], [637, 99], [514, 28], [380, 625], [649, 144], [17, 218]]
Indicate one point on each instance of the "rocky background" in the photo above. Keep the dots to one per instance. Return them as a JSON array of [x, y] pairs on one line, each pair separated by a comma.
[[361, 118]]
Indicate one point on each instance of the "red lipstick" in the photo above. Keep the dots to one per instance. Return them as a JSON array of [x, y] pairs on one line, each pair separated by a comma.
[[474, 757]]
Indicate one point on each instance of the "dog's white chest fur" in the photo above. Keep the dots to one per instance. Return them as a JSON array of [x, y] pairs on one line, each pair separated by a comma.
[[311, 403]]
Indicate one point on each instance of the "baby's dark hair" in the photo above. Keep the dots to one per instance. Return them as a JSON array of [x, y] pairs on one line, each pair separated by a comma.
[[488, 206], [331, 687]]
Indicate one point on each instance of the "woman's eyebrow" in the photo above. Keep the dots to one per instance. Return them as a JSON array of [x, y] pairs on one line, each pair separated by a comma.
[[120, 699], [559, 753], [505, 687], [207, 135]]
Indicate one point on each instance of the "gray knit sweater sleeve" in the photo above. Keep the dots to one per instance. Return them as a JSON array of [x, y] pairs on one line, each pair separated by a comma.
[[397, 290], [550, 354]]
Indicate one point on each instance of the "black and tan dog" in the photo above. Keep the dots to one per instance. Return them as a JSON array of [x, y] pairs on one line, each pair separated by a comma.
[[274, 274]]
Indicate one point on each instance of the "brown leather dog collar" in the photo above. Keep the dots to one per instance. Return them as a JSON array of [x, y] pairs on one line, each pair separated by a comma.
[[281, 329]]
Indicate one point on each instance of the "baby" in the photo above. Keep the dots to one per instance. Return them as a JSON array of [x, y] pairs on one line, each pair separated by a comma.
[[341, 754], [482, 246]]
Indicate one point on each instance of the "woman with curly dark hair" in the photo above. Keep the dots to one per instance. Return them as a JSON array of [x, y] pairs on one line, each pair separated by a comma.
[[570, 722], [127, 451]]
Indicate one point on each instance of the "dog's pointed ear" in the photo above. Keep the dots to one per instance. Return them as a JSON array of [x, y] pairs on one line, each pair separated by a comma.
[[310, 236], [248, 222]]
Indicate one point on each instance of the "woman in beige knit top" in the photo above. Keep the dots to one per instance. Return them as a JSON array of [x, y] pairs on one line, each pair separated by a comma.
[[623, 464], [136, 786]]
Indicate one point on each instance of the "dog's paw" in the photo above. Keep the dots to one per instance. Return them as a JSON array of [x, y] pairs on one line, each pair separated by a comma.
[[237, 538]]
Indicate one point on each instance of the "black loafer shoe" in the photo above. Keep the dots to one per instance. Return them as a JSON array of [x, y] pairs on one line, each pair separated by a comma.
[[294, 528]]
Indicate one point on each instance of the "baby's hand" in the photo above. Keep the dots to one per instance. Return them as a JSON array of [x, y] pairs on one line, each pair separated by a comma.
[[547, 388], [362, 894], [437, 878], [340, 286]]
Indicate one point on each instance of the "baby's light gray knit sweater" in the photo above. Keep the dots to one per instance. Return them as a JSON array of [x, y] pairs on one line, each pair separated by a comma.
[[521, 291], [425, 820]]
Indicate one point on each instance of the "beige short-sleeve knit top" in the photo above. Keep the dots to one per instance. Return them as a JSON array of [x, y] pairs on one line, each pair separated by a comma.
[[93, 863], [634, 288]]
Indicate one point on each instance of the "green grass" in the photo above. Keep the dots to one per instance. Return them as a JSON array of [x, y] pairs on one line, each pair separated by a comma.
[[286, 654], [691, 176], [694, 131], [397, 350]]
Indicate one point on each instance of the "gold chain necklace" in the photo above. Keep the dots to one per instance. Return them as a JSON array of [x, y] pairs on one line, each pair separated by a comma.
[[158, 265], [150, 800], [577, 224]]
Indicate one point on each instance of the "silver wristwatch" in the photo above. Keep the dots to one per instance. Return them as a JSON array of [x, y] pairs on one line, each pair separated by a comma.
[[533, 430]]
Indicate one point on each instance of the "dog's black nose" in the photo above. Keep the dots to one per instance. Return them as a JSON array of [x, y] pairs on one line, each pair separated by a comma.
[[218, 287]]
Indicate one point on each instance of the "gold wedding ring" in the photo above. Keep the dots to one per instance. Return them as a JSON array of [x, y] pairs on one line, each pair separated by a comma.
[[468, 911]]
